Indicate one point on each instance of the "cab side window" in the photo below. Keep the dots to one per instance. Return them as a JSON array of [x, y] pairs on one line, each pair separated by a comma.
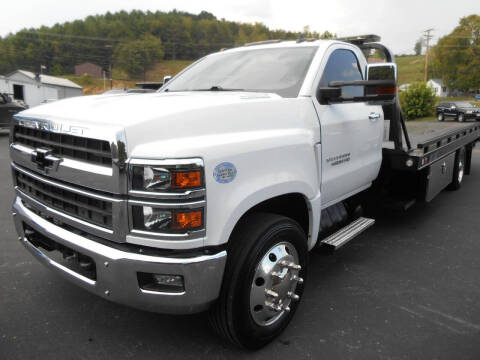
[[343, 66]]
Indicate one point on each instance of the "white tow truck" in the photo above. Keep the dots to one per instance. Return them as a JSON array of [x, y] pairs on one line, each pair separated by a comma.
[[208, 194]]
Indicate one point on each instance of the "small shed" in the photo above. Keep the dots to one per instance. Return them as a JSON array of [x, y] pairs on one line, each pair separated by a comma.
[[33, 89], [88, 69]]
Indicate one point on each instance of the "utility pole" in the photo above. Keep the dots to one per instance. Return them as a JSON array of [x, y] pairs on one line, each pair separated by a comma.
[[110, 52], [428, 37]]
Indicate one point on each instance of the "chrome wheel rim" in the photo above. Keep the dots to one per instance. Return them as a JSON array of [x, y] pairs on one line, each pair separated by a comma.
[[440, 117], [460, 171], [274, 283], [460, 118]]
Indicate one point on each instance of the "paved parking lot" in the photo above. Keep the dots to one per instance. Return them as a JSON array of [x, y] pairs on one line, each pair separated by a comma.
[[409, 288]]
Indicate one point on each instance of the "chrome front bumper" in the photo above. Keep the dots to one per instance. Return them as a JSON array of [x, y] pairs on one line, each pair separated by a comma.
[[116, 270]]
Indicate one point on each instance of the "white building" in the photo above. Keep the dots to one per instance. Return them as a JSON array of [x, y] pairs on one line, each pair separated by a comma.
[[34, 89], [3, 84], [439, 87], [403, 87]]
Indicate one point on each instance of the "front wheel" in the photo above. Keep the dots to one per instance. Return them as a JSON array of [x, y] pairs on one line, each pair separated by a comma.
[[440, 117], [461, 118], [458, 170], [263, 280]]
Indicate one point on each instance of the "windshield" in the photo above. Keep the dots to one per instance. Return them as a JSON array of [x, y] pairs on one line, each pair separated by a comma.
[[277, 70], [464, 104]]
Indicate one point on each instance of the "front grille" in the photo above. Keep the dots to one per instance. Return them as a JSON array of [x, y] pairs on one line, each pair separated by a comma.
[[75, 147], [98, 212]]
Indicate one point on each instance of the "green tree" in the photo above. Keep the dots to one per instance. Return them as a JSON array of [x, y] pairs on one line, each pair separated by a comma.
[[456, 57], [418, 47], [418, 101], [57, 69], [136, 57]]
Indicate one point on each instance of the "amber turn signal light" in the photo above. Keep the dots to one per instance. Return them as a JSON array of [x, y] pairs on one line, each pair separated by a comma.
[[186, 179], [187, 220], [386, 90]]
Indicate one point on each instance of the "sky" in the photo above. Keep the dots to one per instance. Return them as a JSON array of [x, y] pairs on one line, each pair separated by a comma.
[[399, 23]]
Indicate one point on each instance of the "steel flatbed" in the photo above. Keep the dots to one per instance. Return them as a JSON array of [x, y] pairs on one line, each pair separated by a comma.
[[431, 141]]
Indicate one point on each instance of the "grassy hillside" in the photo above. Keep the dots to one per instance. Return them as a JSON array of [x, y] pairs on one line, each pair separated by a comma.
[[121, 80], [168, 67], [410, 69]]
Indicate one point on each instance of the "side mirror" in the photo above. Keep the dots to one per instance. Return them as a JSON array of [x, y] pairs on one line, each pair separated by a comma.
[[383, 71], [166, 79], [325, 94], [379, 88]]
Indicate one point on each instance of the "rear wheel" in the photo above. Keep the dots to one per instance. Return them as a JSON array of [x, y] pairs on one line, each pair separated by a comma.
[[263, 280], [440, 117], [461, 118], [458, 170]]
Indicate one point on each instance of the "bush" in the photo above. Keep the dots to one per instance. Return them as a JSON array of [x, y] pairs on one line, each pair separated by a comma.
[[418, 101]]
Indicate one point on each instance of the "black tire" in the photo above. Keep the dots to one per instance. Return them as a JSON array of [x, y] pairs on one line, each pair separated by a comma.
[[440, 117], [461, 118], [231, 315], [458, 170]]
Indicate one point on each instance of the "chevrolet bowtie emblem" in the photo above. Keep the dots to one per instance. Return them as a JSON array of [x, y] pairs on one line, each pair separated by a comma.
[[45, 160]]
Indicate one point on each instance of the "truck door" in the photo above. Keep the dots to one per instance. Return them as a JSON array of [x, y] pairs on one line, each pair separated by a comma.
[[351, 132]]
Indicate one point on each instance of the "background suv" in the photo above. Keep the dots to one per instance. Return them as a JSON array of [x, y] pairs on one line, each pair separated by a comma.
[[459, 110]]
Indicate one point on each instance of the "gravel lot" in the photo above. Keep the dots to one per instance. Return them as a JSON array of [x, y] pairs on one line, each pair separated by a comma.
[[409, 288]]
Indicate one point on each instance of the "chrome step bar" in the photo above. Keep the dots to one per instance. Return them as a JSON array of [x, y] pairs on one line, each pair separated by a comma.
[[344, 235]]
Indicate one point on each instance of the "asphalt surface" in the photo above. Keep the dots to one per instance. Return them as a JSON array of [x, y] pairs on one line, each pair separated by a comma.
[[408, 288]]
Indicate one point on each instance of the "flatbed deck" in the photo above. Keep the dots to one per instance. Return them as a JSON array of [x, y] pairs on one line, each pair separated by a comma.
[[422, 132], [431, 141]]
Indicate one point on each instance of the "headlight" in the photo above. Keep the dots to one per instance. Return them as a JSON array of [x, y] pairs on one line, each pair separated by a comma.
[[165, 177], [166, 221], [167, 197], [156, 219], [155, 178]]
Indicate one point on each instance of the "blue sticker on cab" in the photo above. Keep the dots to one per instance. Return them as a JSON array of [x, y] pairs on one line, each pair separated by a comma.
[[224, 173]]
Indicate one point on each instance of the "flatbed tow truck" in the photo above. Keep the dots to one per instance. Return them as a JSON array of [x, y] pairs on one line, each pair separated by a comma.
[[211, 196]]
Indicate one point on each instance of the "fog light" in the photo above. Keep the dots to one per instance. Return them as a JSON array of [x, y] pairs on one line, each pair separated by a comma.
[[409, 163], [161, 282], [169, 280]]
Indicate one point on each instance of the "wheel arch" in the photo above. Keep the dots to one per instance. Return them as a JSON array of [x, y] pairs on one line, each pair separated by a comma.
[[294, 205]]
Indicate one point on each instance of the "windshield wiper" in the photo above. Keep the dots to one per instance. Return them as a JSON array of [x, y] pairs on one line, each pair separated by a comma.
[[217, 88], [213, 88]]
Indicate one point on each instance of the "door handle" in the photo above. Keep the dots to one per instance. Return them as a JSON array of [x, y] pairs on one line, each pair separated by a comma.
[[374, 116]]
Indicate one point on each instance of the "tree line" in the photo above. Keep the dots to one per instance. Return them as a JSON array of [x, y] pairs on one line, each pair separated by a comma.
[[132, 41], [456, 57]]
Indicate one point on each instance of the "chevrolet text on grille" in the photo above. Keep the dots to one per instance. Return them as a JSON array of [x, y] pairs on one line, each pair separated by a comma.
[[52, 126]]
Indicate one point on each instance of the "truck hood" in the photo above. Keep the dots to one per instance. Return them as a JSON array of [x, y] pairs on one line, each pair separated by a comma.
[[131, 109], [182, 124]]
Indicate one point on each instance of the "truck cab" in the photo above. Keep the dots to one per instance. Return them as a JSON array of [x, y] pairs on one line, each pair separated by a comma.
[[211, 196]]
